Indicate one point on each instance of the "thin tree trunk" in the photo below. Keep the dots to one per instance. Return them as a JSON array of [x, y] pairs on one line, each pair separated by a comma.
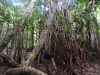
[[38, 46], [20, 45], [32, 33], [14, 51], [26, 46]]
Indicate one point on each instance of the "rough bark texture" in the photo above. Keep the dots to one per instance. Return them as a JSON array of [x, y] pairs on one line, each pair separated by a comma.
[[8, 60], [24, 70], [37, 47]]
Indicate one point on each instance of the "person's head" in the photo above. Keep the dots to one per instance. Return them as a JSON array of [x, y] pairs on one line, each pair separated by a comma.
[[47, 55]]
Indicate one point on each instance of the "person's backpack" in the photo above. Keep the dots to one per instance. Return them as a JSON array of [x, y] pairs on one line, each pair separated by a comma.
[[48, 54]]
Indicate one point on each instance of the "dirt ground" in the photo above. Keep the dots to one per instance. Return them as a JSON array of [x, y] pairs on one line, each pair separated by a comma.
[[89, 68]]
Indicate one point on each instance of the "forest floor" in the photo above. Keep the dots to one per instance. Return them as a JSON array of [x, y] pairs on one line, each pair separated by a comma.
[[86, 69], [89, 68]]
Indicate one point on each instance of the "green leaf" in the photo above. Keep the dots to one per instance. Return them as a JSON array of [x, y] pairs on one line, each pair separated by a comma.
[[80, 38]]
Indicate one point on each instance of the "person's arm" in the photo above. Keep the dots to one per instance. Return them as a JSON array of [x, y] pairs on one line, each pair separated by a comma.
[[43, 59]]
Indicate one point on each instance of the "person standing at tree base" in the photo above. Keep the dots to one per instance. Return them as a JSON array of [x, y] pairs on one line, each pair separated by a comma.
[[47, 58]]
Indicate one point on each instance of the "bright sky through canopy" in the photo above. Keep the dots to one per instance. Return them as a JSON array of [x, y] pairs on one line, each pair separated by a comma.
[[14, 3]]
